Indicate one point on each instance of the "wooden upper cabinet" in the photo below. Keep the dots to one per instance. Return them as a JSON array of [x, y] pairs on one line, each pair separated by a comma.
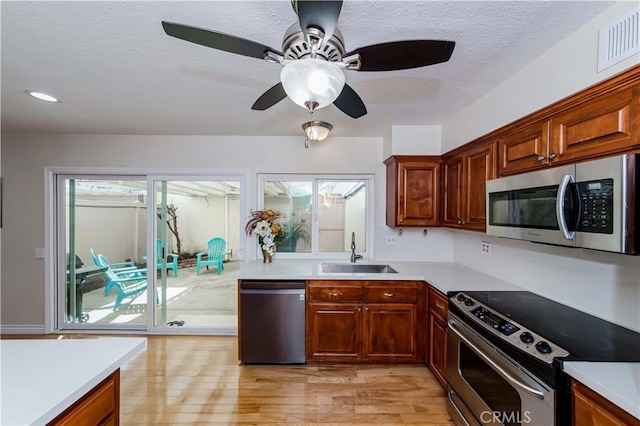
[[525, 149], [453, 191], [479, 166], [412, 190], [600, 121], [465, 176], [602, 126]]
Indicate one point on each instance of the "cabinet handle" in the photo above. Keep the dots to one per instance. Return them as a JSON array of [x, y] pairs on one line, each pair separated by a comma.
[[366, 309], [335, 294], [400, 220], [390, 294], [464, 222], [552, 155], [541, 157], [459, 222], [359, 309], [439, 306]]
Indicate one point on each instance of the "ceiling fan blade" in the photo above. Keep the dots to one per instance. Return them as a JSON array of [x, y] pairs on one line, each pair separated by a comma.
[[319, 14], [350, 103], [270, 98], [219, 41], [402, 55]]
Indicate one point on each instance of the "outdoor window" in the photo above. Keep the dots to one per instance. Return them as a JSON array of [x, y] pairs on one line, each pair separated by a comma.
[[321, 213]]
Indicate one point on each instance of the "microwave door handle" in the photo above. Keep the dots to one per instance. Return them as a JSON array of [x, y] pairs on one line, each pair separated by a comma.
[[562, 221], [501, 371]]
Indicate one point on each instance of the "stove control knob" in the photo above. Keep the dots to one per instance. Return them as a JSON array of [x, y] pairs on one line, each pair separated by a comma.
[[468, 302], [526, 337], [543, 347], [461, 297]]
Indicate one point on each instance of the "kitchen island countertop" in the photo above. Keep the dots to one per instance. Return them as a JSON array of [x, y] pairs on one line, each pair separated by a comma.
[[43, 377], [444, 276]]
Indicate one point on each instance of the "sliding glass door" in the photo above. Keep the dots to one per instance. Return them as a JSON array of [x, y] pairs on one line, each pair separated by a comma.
[[140, 249]]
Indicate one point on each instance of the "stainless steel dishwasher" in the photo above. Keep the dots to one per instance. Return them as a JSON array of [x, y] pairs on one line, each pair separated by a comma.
[[272, 321]]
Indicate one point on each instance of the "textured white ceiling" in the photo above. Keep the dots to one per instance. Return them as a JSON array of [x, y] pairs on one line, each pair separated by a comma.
[[116, 71]]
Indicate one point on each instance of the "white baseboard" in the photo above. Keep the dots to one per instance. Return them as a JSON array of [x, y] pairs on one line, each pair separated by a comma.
[[22, 329]]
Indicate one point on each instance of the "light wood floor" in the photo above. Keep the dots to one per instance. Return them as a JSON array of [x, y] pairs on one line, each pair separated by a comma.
[[197, 380]]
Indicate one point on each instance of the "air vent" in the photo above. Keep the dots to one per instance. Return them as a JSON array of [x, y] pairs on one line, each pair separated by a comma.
[[618, 41]]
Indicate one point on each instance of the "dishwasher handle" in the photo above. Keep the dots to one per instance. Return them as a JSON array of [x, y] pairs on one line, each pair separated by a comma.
[[272, 285]]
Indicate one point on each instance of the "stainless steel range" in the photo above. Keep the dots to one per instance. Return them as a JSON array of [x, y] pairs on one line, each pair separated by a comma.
[[505, 352]]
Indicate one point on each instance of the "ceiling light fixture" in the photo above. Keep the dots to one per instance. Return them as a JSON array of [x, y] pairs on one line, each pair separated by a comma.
[[316, 131], [42, 96], [312, 83]]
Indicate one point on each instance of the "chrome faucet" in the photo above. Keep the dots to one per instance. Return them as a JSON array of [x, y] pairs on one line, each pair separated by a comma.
[[354, 256]]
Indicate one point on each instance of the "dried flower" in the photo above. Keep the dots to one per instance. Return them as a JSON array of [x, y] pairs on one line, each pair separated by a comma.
[[263, 224]]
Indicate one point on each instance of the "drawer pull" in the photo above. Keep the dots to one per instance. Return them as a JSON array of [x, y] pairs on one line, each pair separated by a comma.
[[390, 294], [439, 306], [335, 294]]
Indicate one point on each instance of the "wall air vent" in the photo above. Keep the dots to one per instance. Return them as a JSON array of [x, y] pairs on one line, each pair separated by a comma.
[[618, 41]]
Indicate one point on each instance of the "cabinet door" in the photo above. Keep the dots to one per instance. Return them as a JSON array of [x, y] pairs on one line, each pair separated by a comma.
[[591, 409], [438, 348], [412, 191], [334, 332], [479, 166], [453, 192], [390, 332], [600, 127], [525, 149]]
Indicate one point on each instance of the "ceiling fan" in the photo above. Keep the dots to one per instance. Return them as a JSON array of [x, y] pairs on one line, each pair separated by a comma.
[[314, 57]]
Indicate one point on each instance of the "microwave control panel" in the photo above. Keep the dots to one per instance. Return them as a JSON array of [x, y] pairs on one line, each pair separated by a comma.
[[596, 206]]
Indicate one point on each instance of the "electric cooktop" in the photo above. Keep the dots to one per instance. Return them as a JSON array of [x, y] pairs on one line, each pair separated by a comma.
[[585, 337]]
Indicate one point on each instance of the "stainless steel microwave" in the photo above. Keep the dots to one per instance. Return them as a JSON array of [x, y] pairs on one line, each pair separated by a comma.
[[589, 205]]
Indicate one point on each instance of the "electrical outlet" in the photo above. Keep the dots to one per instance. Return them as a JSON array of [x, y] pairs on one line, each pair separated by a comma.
[[486, 247], [391, 240]]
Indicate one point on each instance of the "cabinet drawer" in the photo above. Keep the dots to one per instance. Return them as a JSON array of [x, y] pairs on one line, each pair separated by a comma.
[[390, 294], [438, 303], [335, 293]]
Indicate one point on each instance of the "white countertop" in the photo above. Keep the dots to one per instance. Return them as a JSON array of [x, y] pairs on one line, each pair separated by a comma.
[[444, 276], [619, 382], [43, 377]]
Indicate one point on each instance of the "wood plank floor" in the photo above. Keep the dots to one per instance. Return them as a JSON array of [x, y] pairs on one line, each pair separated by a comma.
[[197, 380]]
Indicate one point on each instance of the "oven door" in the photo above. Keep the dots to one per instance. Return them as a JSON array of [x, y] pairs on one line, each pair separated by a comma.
[[538, 206], [488, 387]]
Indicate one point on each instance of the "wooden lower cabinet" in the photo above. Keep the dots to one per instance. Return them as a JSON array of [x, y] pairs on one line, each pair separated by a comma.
[[591, 409], [100, 406], [437, 318], [381, 326]]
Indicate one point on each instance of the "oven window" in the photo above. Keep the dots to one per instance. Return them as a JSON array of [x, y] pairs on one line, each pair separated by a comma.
[[503, 400]]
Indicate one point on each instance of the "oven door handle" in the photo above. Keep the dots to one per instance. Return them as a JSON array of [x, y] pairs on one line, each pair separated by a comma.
[[501, 371]]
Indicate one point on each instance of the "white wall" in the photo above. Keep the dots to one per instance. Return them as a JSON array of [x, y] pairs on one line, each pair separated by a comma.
[[605, 285], [24, 157]]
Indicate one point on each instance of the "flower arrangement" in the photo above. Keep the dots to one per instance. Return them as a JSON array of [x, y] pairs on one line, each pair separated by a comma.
[[264, 224]]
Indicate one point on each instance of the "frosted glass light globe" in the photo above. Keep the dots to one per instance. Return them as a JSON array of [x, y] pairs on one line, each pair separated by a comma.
[[312, 80]]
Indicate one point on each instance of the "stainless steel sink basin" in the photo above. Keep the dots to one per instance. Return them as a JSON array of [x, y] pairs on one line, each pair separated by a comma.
[[356, 268]]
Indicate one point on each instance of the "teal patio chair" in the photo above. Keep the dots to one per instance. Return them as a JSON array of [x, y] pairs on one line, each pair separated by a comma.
[[172, 259], [122, 269], [215, 255], [127, 286]]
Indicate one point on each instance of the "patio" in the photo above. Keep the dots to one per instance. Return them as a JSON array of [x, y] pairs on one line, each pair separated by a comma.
[[208, 300]]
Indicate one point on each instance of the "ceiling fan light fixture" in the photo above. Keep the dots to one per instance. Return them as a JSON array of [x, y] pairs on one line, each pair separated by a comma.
[[316, 131], [312, 83]]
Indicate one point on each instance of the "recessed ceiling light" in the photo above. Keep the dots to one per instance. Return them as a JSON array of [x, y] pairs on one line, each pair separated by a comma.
[[42, 96]]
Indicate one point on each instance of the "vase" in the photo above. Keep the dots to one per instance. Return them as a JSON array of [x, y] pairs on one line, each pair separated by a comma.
[[266, 257]]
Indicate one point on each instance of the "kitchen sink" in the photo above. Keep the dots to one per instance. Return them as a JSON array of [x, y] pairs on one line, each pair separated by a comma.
[[355, 268]]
